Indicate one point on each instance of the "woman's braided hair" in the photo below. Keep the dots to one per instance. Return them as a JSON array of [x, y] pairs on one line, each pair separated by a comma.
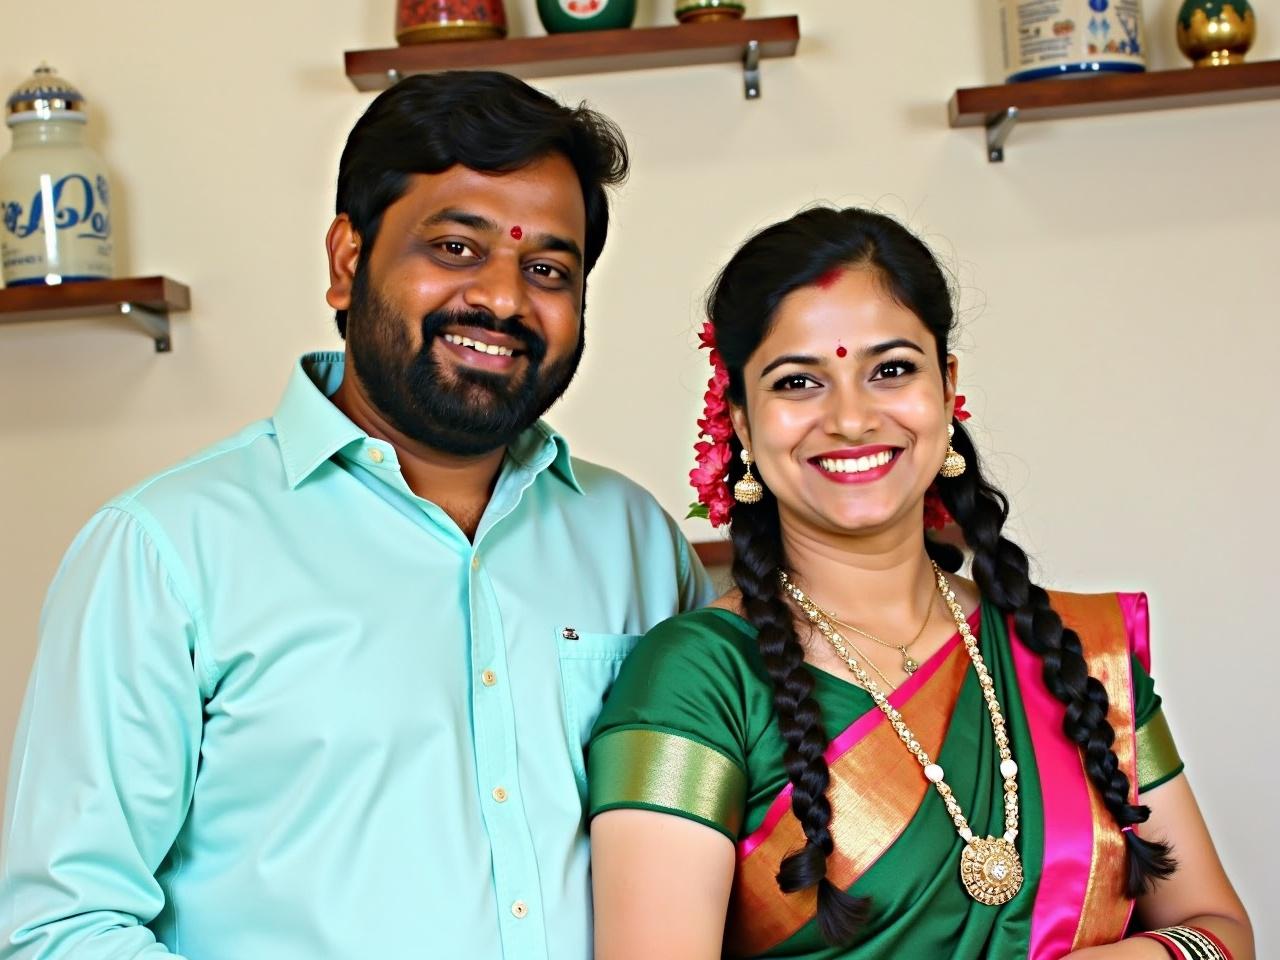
[[773, 263]]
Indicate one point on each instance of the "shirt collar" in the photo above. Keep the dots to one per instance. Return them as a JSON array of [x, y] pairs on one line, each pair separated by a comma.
[[310, 429], [541, 447]]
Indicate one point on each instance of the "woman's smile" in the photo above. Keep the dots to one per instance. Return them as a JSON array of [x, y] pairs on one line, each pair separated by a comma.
[[856, 465]]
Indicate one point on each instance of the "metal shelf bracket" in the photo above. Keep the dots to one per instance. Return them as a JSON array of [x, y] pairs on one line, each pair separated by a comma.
[[154, 322], [999, 126], [751, 69]]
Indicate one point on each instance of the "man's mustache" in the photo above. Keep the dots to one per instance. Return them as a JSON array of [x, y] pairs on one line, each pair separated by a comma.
[[437, 321]]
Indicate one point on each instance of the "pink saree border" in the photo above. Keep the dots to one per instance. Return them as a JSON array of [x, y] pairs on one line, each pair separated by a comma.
[[854, 733], [1068, 825], [1068, 814], [1137, 620]]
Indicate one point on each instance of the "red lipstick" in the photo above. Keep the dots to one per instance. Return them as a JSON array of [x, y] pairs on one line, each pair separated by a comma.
[[841, 466]]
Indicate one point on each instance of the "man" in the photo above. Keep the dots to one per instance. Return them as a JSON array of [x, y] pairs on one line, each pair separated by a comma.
[[321, 691]]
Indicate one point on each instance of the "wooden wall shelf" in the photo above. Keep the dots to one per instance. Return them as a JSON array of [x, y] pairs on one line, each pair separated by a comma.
[[146, 301], [998, 108], [743, 41]]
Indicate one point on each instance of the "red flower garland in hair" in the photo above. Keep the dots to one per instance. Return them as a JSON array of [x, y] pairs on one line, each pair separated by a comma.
[[936, 516], [708, 477]]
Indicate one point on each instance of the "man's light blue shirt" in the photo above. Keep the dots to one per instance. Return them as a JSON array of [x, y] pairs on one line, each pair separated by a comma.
[[283, 708]]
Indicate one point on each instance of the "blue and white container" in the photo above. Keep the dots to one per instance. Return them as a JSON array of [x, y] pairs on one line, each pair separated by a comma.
[[1064, 38], [55, 213]]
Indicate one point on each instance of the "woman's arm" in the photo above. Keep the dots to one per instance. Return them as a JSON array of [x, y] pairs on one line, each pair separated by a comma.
[[661, 886], [1197, 895]]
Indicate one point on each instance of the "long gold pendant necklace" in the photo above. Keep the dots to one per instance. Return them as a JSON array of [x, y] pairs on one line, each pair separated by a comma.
[[990, 867]]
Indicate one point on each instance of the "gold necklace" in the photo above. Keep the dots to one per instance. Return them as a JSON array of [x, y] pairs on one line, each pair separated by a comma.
[[909, 664], [863, 657], [880, 673], [990, 867]]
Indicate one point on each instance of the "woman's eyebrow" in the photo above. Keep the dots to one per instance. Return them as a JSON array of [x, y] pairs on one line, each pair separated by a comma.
[[802, 359]]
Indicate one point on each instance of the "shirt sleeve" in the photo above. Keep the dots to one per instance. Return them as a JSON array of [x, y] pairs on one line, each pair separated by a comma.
[[1158, 759], [696, 586], [105, 757], [673, 731]]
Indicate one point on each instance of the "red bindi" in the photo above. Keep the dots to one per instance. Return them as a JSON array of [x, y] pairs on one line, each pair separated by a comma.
[[828, 279], [841, 352], [516, 233]]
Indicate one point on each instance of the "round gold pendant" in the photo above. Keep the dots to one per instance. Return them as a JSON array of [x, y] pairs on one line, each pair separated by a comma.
[[909, 666], [991, 870]]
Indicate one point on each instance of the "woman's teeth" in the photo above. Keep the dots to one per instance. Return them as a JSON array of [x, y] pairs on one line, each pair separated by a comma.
[[489, 348], [857, 464]]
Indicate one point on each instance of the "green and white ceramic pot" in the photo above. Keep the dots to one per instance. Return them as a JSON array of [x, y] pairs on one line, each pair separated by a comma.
[[568, 16]]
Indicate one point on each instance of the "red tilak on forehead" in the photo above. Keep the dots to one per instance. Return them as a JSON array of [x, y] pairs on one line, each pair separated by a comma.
[[841, 351], [516, 232], [829, 278]]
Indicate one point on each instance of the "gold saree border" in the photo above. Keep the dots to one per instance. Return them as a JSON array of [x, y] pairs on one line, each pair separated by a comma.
[[1099, 622], [653, 769], [1158, 757], [875, 790]]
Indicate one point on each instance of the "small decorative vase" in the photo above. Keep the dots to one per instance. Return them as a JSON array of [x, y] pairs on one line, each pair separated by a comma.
[[1064, 38], [420, 21], [568, 16], [701, 11], [54, 194], [1214, 33]]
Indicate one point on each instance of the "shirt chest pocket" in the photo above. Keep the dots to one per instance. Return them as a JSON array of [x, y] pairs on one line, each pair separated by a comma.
[[589, 663]]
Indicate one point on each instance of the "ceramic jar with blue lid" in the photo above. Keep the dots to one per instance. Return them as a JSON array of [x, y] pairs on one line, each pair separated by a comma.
[[54, 195], [1065, 38]]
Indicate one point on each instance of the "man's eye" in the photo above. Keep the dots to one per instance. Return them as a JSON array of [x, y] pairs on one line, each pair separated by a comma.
[[548, 271], [795, 381], [456, 248]]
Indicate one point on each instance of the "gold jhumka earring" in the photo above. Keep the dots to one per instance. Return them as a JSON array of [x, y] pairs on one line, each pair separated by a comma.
[[748, 489], [954, 464]]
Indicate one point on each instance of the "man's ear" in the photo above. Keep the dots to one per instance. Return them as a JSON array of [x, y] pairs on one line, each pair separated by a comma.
[[342, 244]]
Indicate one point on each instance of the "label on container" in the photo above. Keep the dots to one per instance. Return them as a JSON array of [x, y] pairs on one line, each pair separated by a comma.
[[1055, 37], [60, 230]]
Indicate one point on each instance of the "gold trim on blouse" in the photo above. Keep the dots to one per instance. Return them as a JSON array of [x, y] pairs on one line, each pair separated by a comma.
[[1158, 758], [652, 769]]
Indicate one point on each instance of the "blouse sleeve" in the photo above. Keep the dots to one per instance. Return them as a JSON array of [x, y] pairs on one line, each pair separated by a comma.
[[672, 735], [1158, 759]]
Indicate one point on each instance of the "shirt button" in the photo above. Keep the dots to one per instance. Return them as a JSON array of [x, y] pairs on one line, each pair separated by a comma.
[[488, 678], [500, 794], [519, 910], [375, 455], [475, 562]]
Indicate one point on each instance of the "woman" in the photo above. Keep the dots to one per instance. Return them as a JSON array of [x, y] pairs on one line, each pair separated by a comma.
[[857, 753]]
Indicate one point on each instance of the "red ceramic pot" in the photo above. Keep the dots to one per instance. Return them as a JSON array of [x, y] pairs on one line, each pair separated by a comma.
[[418, 21]]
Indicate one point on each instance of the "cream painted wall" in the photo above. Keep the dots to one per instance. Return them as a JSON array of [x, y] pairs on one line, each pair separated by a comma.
[[1119, 352]]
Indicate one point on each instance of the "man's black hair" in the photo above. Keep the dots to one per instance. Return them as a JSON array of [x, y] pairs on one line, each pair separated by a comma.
[[485, 121]]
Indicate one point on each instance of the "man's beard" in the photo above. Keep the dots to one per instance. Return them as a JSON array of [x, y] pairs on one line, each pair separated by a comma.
[[461, 411]]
